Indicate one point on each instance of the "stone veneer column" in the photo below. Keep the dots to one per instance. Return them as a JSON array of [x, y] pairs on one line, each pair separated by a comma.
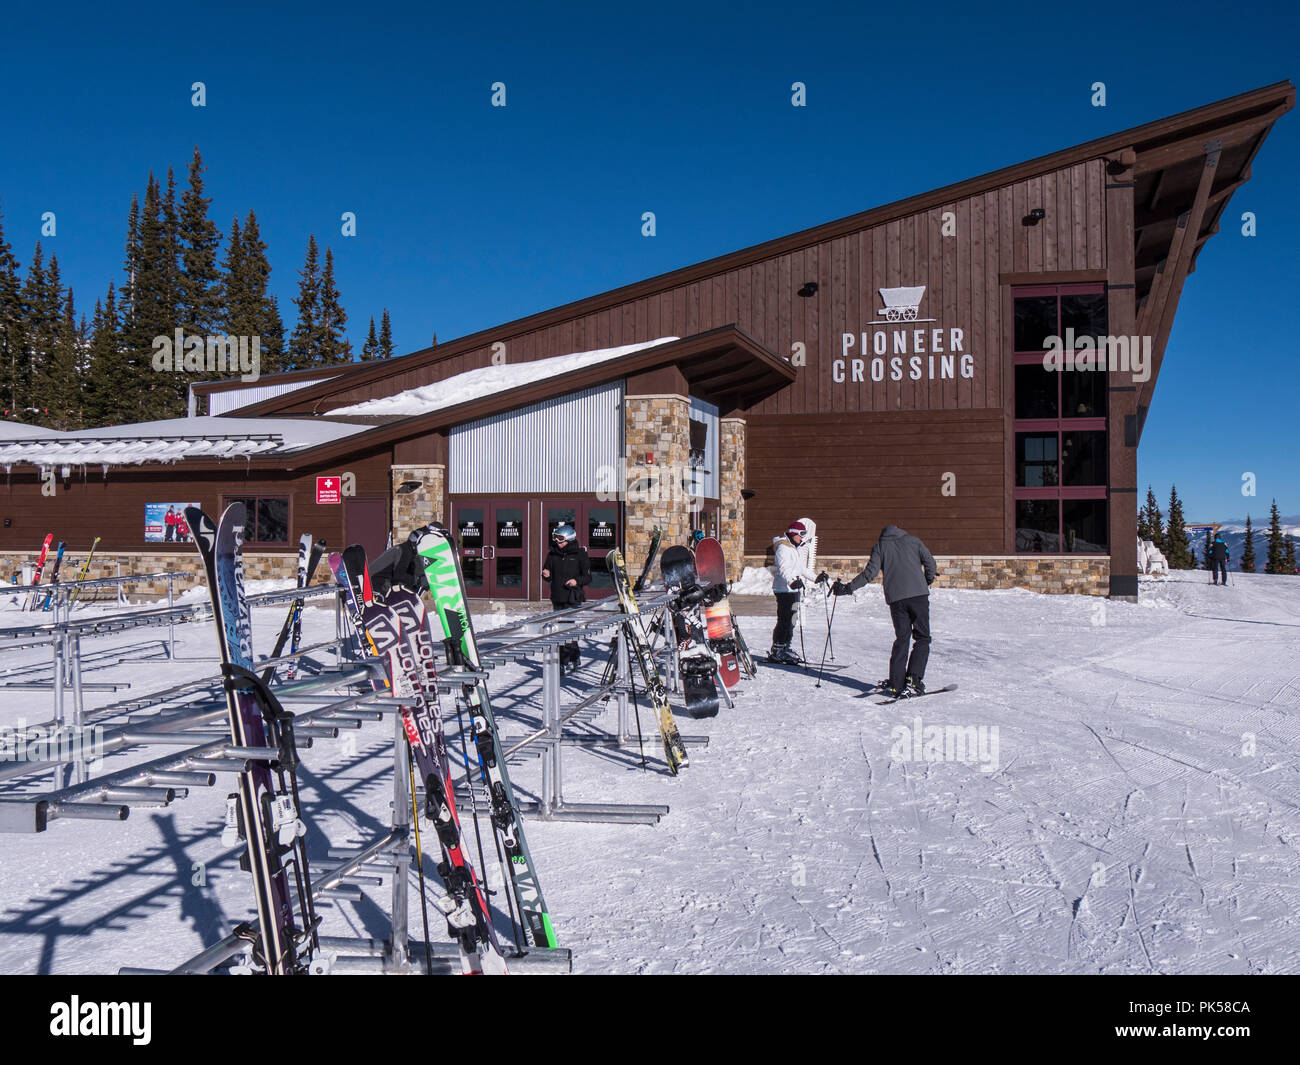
[[422, 506], [658, 426], [731, 504]]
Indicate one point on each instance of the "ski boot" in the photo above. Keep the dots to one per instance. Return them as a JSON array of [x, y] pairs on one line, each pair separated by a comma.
[[914, 686], [887, 689], [783, 654]]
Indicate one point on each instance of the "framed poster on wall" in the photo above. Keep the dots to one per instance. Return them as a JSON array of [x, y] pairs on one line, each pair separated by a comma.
[[164, 523]]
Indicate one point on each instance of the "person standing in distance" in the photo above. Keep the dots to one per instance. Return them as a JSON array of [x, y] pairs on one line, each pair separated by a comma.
[[1219, 560], [792, 574], [907, 570], [568, 570]]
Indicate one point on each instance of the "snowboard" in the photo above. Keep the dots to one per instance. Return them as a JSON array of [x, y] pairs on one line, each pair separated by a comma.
[[901, 698], [677, 565], [711, 567], [696, 664]]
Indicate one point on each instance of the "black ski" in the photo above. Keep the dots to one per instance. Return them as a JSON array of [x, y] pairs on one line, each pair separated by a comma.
[[265, 818], [656, 538]]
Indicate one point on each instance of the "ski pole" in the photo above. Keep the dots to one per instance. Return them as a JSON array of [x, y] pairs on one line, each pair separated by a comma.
[[829, 642], [803, 651], [830, 620], [419, 860], [636, 708]]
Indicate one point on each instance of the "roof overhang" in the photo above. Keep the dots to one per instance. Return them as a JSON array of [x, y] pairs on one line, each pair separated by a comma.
[[723, 366]]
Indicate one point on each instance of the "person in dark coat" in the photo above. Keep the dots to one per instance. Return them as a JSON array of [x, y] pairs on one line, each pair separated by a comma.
[[1219, 560], [907, 570], [568, 571]]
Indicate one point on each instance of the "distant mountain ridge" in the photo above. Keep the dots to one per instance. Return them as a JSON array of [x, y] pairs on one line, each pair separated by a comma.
[[1234, 535]]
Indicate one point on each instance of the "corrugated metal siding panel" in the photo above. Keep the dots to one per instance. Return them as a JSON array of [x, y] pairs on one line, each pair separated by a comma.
[[708, 414], [556, 446], [223, 402]]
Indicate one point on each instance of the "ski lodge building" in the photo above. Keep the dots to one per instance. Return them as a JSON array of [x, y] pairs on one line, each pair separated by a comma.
[[884, 368]]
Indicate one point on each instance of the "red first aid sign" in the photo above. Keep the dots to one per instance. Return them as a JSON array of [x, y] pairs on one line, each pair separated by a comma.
[[328, 490]]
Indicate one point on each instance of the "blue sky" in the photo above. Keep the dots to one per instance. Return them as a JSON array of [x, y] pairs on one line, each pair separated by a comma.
[[470, 215]]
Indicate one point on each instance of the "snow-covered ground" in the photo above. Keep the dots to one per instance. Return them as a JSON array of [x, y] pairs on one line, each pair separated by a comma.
[[1130, 803]]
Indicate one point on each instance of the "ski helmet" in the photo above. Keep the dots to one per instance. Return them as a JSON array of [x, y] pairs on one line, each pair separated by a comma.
[[797, 527], [565, 533]]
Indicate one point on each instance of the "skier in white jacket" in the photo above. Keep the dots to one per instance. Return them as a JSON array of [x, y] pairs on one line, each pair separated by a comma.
[[793, 573]]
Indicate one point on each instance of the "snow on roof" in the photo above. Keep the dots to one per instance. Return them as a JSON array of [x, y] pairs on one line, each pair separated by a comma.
[[487, 380], [19, 431], [169, 440]]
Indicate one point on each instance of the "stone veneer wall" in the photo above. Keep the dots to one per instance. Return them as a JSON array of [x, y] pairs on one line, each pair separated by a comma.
[[659, 425], [422, 506], [124, 563], [1069, 574], [731, 504]]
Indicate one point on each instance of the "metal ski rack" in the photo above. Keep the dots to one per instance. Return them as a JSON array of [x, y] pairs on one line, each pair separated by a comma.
[[540, 636]]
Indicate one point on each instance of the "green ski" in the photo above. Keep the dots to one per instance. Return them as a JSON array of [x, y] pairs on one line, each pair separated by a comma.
[[441, 560]]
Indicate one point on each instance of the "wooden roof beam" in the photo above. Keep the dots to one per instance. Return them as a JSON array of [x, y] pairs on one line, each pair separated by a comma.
[[1188, 148], [1177, 267]]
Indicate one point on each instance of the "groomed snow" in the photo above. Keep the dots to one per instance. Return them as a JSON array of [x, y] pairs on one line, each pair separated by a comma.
[[1137, 809], [486, 380]]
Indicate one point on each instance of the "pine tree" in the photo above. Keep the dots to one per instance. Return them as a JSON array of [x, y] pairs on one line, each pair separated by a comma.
[[1288, 556], [40, 327], [1248, 549], [1275, 548], [333, 318], [306, 345], [1206, 556], [250, 308], [370, 349], [152, 313], [386, 337], [1177, 548], [106, 378], [59, 382], [11, 322], [199, 297], [1151, 521], [130, 263]]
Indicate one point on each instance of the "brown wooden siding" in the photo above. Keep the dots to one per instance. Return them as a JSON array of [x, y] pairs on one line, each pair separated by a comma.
[[959, 272], [855, 473], [112, 507]]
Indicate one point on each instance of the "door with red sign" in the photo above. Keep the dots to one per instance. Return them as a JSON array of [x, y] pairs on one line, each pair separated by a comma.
[[493, 542], [597, 527]]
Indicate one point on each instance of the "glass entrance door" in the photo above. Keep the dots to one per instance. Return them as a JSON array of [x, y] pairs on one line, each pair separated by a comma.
[[493, 543], [597, 527]]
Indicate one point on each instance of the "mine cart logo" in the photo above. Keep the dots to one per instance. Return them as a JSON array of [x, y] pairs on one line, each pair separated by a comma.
[[901, 305], [902, 350]]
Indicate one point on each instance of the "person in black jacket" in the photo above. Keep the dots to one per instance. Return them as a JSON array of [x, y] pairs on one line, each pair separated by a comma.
[[1219, 560], [568, 571], [907, 570]]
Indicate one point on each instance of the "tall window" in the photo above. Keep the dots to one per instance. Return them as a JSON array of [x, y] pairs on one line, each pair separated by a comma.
[[268, 518], [1060, 424]]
